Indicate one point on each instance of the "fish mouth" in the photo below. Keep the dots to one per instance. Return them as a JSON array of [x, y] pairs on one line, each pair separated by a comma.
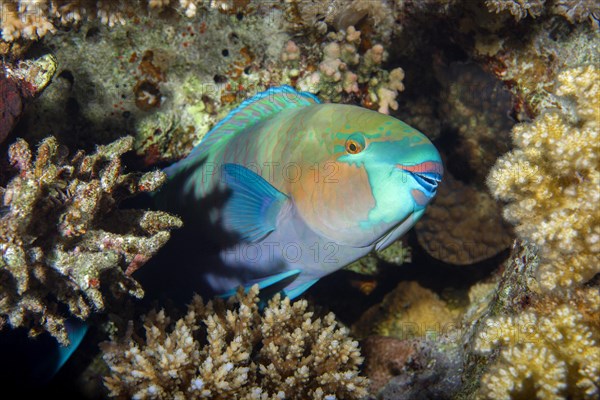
[[428, 175], [394, 233]]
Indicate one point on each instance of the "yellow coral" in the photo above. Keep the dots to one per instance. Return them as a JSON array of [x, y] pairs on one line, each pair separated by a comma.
[[552, 182], [220, 351], [408, 311], [544, 356]]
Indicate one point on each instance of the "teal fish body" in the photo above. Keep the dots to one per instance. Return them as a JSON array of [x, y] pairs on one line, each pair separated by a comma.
[[308, 188]]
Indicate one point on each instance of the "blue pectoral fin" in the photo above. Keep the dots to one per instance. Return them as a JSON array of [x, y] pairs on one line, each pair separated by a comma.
[[270, 285], [76, 330], [53, 362], [298, 290], [254, 205]]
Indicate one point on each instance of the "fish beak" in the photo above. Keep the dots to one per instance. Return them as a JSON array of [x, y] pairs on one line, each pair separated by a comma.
[[428, 174]]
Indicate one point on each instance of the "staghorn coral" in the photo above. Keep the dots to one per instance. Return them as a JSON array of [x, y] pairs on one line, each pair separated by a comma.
[[548, 351], [230, 350], [464, 225], [65, 248], [551, 181]]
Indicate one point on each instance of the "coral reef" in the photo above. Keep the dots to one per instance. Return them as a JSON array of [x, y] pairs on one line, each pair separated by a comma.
[[464, 225], [397, 253], [19, 84], [310, 17], [408, 311], [409, 369], [519, 9], [529, 65], [65, 247], [551, 181], [524, 342], [345, 69], [32, 20], [573, 10], [164, 80], [548, 351], [476, 105], [231, 350]]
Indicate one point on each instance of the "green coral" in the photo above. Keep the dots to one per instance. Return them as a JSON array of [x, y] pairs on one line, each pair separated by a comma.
[[64, 244]]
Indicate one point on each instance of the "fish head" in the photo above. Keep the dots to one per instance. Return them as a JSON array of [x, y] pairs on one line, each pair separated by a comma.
[[376, 176]]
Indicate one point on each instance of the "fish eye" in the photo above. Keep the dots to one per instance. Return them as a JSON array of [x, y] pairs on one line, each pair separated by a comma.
[[355, 144]]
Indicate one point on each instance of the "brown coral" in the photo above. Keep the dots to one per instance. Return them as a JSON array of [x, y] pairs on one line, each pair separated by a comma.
[[230, 350], [63, 243], [518, 8], [464, 225], [408, 311]]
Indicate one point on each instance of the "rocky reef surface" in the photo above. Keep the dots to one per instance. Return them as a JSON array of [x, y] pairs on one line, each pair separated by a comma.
[[494, 294]]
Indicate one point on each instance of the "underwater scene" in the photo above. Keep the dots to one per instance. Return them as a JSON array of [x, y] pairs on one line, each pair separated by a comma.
[[300, 199]]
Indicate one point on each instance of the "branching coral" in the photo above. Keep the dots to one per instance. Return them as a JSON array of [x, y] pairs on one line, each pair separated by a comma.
[[33, 19], [63, 245], [230, 350], [552, 182], [548, 354], [345, 70]]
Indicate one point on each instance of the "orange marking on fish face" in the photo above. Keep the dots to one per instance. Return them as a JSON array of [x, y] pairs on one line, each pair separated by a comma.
[[333, 198]]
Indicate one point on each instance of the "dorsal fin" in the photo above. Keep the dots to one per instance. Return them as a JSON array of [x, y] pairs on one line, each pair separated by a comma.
[[251, 111]]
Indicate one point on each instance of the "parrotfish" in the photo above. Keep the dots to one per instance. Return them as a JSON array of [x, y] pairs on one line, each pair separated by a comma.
[[306, 188]]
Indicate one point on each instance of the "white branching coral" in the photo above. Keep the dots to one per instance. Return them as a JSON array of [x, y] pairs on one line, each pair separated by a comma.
[[32, 19], [227, 351], [550, 354], [552, 182]]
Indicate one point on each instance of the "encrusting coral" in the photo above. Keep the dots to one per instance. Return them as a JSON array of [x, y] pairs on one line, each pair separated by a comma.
[[64, 246], [408, 311], [550, 350], [551, 181], [232, 350], [464, 225]]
